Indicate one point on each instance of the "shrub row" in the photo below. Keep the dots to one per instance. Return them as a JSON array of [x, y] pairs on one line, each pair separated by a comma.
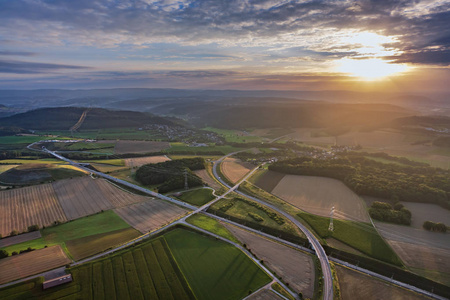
[[432, 226]]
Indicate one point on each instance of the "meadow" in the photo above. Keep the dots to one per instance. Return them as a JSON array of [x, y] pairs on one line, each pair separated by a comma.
[[361, 236], [211, 225], [213, 268], [197, 197]]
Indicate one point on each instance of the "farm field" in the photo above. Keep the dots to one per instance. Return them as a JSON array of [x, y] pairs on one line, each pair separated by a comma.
[[212, 225], [308, 135], [139, 161], [4, 168], [296, 268], [87, 246], [186, 149], [38, 173], [23, 207], [418, 248], [197, 197], [27, 264], [317, 195], [149, 215], [267, 180], [375, 139], [100, 223], [139, 146], [234, 169], [361, 236], [355, 285], [144, 272], [25, 237], [80, 197], [117, 196], [422, 212], [213, 268], [242, 210], [203, 174]]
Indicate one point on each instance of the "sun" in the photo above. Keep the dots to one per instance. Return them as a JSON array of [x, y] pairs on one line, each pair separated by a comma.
[[370, 69]]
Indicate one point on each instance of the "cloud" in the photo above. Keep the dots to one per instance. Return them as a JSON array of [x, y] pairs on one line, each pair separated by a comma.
[[314, 25], [16, 53], [22, 67]]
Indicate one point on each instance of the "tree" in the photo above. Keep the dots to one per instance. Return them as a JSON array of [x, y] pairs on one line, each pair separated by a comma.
[[33, 228], [3, 254]]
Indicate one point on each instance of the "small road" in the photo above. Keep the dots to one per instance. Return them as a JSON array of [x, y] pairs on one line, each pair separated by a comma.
[[320, 252]]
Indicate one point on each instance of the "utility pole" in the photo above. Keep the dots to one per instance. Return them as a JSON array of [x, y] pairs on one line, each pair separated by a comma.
[[186, 187], [331, 227]]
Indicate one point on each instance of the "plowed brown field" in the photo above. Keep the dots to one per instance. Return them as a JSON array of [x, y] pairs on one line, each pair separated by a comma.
[[317, 195], [296, 268], [234, 169], [203, 174], [80, 197], [355, 285], [149, 215], [27, 264], [19, 238], [139, 161], [20, 208]]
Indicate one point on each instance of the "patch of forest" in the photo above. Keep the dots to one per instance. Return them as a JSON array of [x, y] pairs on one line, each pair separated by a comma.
[[170, 175], [371, 178]]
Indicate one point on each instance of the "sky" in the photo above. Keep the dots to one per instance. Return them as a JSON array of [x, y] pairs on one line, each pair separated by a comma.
[[363, 45]]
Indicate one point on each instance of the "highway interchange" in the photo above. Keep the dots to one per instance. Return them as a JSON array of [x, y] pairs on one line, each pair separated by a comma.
[[318, 249]]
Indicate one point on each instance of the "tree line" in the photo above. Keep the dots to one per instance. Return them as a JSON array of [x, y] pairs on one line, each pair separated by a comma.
[[383, 211]]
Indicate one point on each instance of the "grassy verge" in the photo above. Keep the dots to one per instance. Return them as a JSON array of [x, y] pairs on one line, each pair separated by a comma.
[[361, 236], [277, 287], [212, 225], [214, 269], [197, 197]]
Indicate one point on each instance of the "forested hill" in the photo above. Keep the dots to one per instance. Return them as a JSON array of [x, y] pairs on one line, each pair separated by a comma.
[[62, 118], [293, 115]]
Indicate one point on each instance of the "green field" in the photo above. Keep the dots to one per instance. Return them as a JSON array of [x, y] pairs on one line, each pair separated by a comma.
[[88, 134], [197, 197], [214, 269], [113, 162], [147, 271], [87, 246], [33, 161], [182, 147], [243, 210], [212, 225], [100, 223], [361, 236], [15, 139]]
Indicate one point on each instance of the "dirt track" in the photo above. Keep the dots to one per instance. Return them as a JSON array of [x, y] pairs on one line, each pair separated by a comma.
[[31, 263]]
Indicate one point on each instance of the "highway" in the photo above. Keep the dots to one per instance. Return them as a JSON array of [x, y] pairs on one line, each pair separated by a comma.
[[320, 252]]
